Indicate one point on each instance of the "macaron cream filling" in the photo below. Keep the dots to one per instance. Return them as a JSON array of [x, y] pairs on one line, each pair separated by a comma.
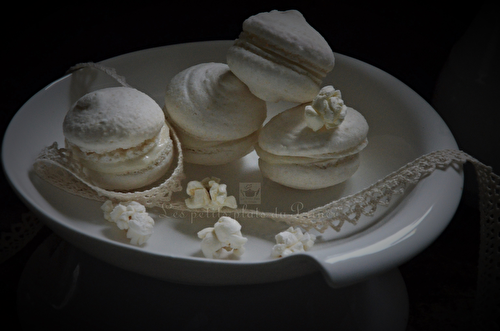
[[126, 160], [319, 158]]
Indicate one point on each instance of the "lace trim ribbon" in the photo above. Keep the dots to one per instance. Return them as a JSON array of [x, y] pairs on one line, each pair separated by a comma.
[[56, 166], [365, 202], [487, 305], [20, 234]]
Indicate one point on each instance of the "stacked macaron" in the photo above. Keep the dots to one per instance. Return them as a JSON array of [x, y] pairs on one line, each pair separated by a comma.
[[215, 115], [281, 57], [218, 110], [313, 145], [317, 143], [120, 138]]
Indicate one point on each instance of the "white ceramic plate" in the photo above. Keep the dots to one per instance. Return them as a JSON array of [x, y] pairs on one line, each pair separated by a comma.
[[402, 127]]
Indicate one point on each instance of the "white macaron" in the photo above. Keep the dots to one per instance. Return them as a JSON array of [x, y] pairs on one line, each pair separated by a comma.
[[215, 115], [120, 137], [281, 57], [294, 154]]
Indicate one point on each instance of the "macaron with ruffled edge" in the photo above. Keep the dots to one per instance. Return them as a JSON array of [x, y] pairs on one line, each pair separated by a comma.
[[120, 137], [215, 115], [279, 56], [294, 153]]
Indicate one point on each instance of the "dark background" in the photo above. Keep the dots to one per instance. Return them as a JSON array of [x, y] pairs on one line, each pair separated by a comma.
[[411, 41]]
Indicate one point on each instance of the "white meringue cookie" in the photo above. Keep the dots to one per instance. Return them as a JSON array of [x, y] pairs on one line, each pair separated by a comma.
[[216, 115], [112, 118], [279, 56], [295, 155], [120, 138]]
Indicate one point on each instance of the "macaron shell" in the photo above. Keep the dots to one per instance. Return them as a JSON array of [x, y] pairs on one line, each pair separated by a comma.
[[269, 79], [287, 134], [279, 56], [312, 176], [208, 101], [289, 31], [112, 118]]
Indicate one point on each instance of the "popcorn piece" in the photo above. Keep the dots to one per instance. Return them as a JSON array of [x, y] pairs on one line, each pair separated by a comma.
[[107, 208], [226, 234], [327, 109], [199, 195], [209, 194], [123, 212], [292, 241], [130, 216], [140, 228]]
